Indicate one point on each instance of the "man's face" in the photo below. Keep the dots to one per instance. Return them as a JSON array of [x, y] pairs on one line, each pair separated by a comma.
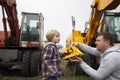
[[100, 43]]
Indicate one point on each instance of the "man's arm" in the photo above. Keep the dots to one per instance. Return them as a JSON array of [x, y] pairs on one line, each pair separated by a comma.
[[87, 49], [107, 66]]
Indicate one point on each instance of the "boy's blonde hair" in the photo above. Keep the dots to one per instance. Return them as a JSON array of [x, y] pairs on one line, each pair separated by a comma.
[[50, 34]]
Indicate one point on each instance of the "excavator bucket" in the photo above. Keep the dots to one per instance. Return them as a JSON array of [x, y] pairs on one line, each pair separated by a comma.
[[73, 52], [105, 4]]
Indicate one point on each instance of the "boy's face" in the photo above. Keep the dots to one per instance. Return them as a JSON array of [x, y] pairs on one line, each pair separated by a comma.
[[56, 39]]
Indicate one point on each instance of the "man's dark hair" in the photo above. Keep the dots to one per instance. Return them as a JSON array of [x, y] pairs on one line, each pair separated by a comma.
[[107, 36]]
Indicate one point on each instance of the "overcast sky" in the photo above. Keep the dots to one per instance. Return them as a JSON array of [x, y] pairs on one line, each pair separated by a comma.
[[57, 13]]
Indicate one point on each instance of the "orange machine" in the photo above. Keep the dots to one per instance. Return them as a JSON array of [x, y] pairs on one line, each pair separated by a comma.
[[21, 46]]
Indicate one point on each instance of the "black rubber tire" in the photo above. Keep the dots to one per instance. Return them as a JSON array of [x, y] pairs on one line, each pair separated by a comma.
[[40, 62], [25, 62], [34, 63]]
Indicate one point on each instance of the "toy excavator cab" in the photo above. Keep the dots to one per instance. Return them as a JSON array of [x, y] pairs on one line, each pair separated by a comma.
[[72, 52]]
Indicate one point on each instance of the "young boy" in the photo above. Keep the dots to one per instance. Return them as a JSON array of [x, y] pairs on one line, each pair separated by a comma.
[[51, 59]]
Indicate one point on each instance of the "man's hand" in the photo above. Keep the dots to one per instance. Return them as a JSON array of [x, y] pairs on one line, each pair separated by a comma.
[[76, 59], [74, 44]]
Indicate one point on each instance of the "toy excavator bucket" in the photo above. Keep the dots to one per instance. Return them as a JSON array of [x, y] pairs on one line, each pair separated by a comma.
[[74, 51], [105, 4]]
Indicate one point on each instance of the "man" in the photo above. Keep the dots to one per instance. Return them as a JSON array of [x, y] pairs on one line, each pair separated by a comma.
[[109, 68]]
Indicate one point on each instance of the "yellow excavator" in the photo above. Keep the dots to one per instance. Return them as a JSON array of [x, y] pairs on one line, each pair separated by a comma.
[[101, 19]]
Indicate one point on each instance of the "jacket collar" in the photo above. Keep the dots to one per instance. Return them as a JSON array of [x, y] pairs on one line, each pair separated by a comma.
[[115, 48]]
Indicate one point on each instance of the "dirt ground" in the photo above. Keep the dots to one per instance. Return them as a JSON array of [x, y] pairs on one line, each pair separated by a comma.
[[6, 74], [15, 75]]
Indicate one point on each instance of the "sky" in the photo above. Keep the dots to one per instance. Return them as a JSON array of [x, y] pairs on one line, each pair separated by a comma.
[[57, 14]]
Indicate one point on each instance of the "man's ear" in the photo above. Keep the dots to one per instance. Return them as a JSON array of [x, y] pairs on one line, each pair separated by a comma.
[[107, 42]]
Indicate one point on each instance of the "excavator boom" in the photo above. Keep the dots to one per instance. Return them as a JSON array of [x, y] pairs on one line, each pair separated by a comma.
[[9, 10], [105, 4]]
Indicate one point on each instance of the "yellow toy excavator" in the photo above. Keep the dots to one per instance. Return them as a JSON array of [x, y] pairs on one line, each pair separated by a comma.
[[73, 51]]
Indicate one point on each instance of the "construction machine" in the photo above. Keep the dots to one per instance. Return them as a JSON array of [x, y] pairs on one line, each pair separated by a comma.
[[101, 20], [21, 45]]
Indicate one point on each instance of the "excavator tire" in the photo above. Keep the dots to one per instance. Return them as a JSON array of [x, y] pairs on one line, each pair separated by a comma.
[[40, 62], [25, 63], [34, 63]]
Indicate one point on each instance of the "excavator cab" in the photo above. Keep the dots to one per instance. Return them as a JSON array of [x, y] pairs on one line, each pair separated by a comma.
[[31, 29], [113, 24]]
